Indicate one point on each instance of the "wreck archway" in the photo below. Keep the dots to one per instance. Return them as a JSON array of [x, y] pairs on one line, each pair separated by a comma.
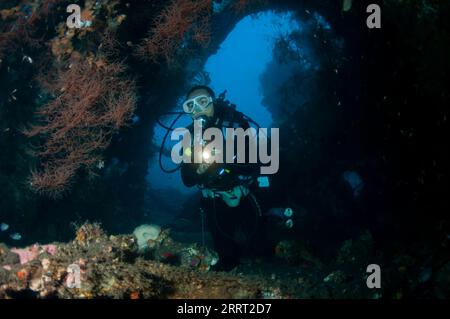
[[243, 65]]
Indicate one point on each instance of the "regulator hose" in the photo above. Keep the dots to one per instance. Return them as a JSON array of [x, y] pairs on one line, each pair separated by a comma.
[[168, 130]]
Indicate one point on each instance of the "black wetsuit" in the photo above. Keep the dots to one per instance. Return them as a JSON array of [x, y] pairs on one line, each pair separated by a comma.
[[237, 231]]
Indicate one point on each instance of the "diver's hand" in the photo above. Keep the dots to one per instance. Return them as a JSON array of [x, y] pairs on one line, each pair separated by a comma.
[[202, 168]]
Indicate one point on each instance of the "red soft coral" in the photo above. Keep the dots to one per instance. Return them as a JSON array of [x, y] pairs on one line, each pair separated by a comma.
[[92, 101], [171, 27]]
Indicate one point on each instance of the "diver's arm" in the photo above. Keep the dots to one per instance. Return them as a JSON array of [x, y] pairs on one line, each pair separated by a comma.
[[189, 171]]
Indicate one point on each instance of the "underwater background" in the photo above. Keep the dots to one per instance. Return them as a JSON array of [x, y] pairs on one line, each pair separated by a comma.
[[364, 154]]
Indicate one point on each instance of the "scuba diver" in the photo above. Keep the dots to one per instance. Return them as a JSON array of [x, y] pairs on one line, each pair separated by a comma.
[[234, 194]]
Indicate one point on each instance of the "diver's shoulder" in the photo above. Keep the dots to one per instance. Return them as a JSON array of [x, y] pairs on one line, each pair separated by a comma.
[[229, 113]]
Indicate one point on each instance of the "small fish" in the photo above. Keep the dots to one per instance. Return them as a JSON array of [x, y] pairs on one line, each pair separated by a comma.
[[280, 212], [4, 227], [135, 119], [346, 5], [101, 164], [28, 59], [355, 181], [15, 236]]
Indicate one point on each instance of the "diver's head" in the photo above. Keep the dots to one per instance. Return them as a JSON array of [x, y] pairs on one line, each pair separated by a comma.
[[199, 102]]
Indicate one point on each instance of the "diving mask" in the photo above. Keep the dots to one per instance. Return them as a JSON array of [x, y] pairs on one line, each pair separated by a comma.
[[197, 104]]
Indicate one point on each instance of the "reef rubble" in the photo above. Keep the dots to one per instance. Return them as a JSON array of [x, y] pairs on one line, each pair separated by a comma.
[[112, 267]]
